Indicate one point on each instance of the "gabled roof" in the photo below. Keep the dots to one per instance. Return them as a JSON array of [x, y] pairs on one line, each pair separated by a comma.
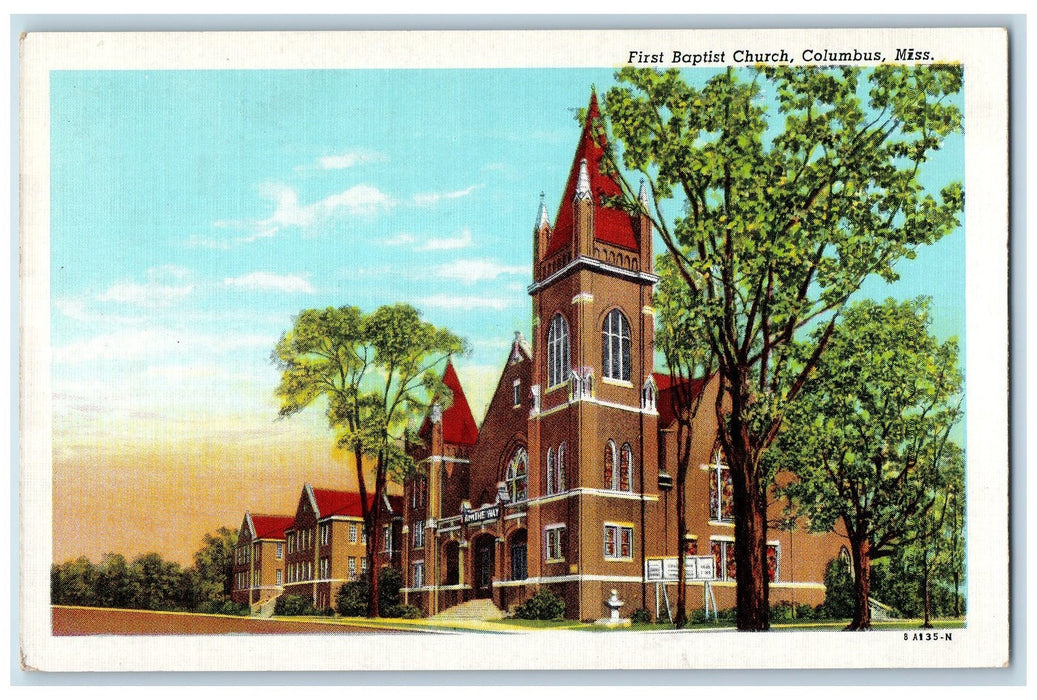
[[664, 401], [612, 226], [269, 527], [328, 502], [458, 424]]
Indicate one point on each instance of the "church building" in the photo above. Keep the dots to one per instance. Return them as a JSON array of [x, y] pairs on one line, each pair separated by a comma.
[[567, 483]]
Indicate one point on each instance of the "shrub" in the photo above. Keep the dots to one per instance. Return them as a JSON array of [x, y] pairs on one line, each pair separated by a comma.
[[352, 598], [641, 617], [232, 608], [839, 591], [804, 612], [782, 612], [293, 605], [545, 605], [407, 612]]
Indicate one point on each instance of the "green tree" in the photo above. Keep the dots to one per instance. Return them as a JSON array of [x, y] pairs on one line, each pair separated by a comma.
[[691, 364], [73, 582], [794, 185], [156, 584], [213, 563], [377, 373], [867, 441], [112, 587]]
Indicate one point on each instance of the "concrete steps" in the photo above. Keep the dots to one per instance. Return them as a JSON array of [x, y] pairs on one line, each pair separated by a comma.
[[478, 609]]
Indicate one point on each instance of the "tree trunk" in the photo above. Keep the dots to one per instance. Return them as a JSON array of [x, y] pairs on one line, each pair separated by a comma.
[[861, 583], [681, 619]]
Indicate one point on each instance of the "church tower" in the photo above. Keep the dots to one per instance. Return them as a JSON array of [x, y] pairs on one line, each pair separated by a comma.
[[593, 445]]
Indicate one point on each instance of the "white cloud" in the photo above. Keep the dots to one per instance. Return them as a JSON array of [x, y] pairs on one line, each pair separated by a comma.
[[461, 240], [152, 344], [166, 284], [477, 270], [427, 198], [446, 301], [349, 159], [270, 281], [401, 239], [362, 200]]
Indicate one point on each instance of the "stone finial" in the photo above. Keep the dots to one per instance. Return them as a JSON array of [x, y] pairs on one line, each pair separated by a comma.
[[583, 184], [542, 219], [642, 195], [436, 414]]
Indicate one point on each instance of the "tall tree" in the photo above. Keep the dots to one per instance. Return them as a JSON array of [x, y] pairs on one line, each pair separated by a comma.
[[794, 185], [377, 372], [113, 582], [691, 364], [868, 441], [213, 564]]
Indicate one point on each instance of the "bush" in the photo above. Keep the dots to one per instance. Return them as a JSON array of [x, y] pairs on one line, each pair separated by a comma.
[[545, 605], [407, 612], [782, 612], [294, 605], [840, 596], [641, 617], [232, 608], [804, 612], [352, 598]]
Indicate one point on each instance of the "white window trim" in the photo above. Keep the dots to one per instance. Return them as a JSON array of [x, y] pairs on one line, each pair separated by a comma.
[[619, 527], [548, 529]]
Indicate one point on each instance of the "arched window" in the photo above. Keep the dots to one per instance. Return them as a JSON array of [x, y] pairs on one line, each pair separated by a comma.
[[610, 459], [557, 351], [615, 346], [516, 475], [626, 467], [560, 479], [550, 470]]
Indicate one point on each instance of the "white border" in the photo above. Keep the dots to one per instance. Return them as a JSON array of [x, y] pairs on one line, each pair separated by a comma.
[[983, 643]]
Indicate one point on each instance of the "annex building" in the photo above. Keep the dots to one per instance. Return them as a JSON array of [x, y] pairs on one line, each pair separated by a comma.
[[567, 482]]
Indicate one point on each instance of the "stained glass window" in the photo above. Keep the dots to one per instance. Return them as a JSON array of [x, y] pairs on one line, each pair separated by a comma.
[[516, 477], [560, 481], [610, 465], [550, 470], [721, 493], [626, 461], [619, 542]]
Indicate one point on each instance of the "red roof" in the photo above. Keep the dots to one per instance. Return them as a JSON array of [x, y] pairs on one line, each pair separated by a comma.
[[347, 503], [664, 401], [458, 424], [271, 527], [612, 226]]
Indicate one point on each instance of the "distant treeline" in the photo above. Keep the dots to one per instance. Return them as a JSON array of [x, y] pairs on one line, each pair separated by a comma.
[[149, 582]]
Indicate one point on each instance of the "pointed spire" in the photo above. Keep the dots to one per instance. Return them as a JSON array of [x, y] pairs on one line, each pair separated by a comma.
[[642, 195], [542, 219], [583, 184]]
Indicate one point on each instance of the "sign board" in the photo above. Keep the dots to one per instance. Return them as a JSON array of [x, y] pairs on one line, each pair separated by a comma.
[[664, 569], [480, 515]]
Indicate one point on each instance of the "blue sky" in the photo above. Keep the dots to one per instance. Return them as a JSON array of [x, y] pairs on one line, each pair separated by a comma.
[[193, 213]]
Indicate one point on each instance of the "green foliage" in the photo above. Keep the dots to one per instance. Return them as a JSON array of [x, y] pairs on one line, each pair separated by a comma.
[[641, 616], [378, 374], [213, 563], [545, 605], [783, 612], [407, 612], [839, 591], [148, 582], [777, 191], [294, 606], [352, 598]]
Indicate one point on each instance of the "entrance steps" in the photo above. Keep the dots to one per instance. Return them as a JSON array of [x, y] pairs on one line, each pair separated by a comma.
[[266, 610], [478, 609]]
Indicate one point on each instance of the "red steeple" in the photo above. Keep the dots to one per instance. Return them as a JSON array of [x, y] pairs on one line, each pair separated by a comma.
[[458, 424], [612, 226]]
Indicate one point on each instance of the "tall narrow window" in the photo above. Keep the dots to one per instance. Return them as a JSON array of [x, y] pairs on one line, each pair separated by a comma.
[[615, 346], [557, 351], [609, 465], [517, 474], [626, 462], [560, 480], [550, 470], [721, 493]]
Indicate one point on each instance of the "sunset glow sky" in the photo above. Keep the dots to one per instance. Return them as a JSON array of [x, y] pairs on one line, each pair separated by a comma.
[[194, 213]]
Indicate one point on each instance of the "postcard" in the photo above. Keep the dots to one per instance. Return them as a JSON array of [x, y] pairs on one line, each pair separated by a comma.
[[675, 349]]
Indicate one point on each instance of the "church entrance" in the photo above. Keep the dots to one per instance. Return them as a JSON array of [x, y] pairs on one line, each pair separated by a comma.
[[484, 565]]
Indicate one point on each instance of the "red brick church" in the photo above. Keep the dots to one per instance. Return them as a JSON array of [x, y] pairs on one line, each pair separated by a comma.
[[566, 485]]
